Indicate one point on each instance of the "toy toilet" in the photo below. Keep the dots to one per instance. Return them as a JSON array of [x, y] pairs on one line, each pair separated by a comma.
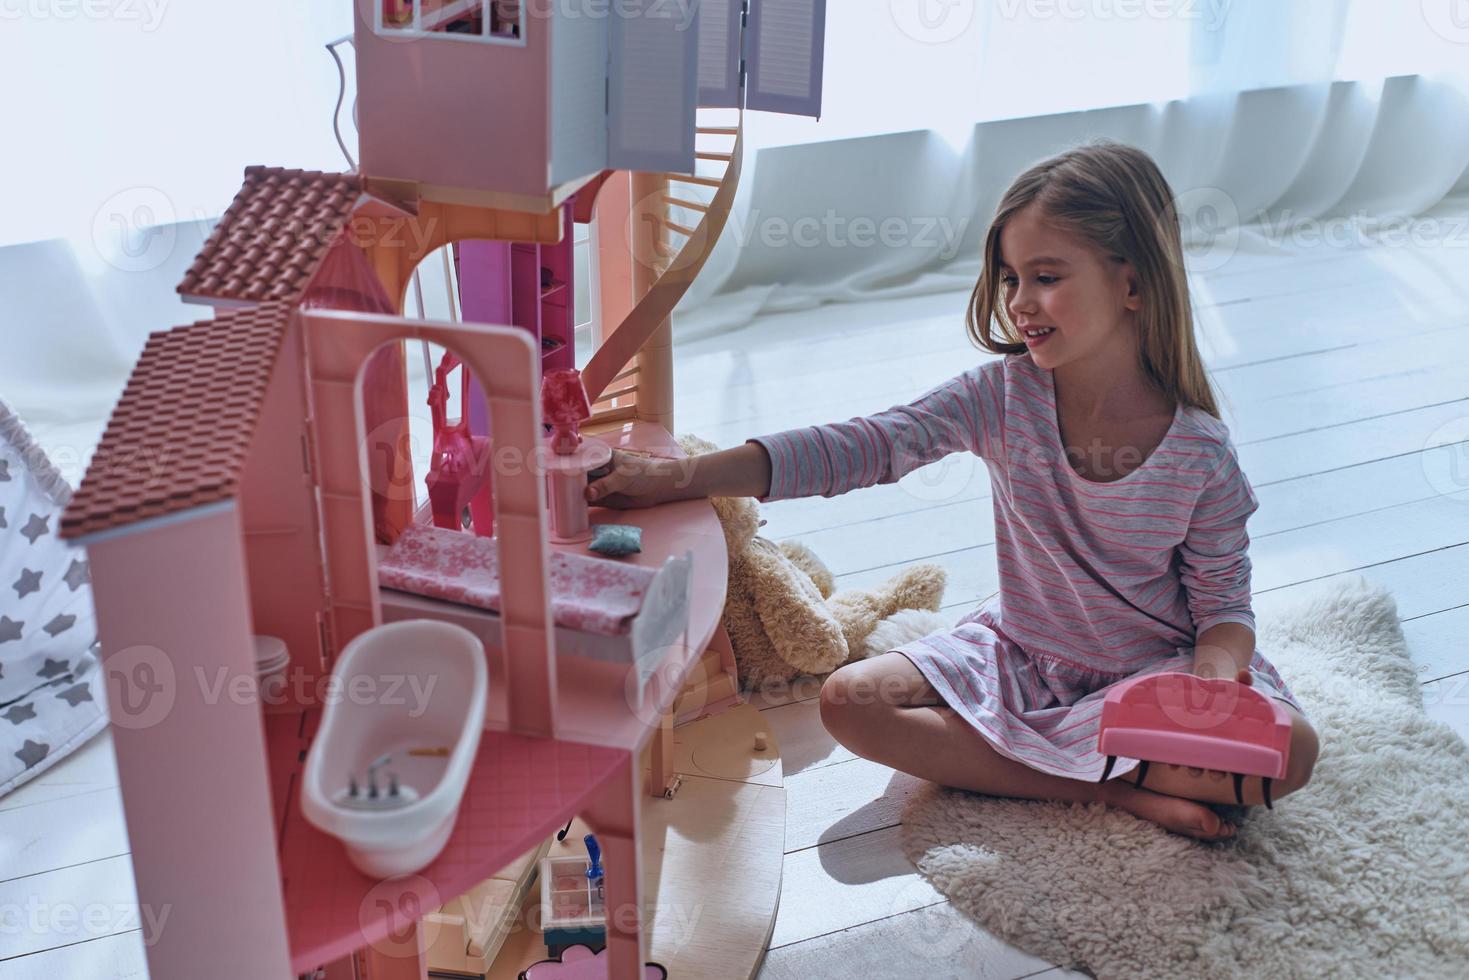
[[388, 768]]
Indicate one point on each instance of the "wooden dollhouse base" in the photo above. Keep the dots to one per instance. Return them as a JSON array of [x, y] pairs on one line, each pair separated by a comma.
[[712, 856]]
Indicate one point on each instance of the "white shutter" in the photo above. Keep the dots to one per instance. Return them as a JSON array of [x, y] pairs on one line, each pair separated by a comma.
[[719, 53], [578, 96], [783, 45], [654, 87]]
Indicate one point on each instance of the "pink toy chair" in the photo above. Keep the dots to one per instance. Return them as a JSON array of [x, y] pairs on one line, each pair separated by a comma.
[[1205, 722], [459, 471], [580, 962]]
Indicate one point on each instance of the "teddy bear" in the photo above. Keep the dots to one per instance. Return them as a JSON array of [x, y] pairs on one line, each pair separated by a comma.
[[782, 612]]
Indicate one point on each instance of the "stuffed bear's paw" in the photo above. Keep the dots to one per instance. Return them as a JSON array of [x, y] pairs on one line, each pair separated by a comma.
[[916, 587], [805, 559], [901, 628]]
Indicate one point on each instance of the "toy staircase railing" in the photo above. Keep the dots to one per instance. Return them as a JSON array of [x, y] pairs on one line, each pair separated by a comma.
[[630, 376]]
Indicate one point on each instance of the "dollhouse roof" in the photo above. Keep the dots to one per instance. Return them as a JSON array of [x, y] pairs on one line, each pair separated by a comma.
[[273, 236], [179, 435]]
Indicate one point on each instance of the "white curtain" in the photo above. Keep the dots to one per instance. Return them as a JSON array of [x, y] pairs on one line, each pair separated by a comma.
[[126, 129], [147, 114], [1258, 112]]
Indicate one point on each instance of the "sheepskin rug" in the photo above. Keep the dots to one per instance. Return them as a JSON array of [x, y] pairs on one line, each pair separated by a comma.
[[1363, 873]]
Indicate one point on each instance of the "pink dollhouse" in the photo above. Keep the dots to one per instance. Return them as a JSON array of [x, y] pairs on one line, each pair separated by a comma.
[[254, 474]]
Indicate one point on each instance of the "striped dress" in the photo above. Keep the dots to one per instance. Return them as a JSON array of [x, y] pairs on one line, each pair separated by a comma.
[[1098, 581]]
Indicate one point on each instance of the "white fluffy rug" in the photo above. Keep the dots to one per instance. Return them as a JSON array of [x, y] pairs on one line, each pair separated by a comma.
[[1363, 873]]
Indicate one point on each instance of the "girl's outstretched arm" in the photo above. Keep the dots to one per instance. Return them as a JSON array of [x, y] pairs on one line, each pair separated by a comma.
[[965, 413], [634, 479]]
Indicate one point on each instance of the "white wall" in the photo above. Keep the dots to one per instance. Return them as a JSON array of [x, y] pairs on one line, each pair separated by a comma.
[[136, 112]]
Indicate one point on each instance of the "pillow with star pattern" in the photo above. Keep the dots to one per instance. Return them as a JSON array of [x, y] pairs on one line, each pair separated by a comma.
[[51, 695]]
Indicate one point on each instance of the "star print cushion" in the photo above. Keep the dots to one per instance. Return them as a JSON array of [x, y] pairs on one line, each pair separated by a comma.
[[51, 693]]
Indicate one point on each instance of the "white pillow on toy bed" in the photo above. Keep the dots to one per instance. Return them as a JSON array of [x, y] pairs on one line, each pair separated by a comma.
[[51, 692]]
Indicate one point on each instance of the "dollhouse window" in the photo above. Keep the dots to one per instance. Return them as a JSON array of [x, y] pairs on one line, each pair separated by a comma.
[[493, 21]]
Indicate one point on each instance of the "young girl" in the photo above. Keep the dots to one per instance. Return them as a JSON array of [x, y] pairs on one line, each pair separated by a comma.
[[1119, 506]]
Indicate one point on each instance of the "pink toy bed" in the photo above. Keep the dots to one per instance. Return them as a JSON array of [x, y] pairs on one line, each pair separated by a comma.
[[602, 609]]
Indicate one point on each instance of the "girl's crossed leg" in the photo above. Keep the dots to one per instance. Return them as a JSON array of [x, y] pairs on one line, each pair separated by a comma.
[[883, 709]]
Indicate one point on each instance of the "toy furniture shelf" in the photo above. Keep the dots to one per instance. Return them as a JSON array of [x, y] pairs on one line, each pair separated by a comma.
[[520, 792]]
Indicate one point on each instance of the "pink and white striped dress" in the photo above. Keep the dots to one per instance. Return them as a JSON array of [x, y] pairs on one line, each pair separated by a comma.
[[1098, 581]]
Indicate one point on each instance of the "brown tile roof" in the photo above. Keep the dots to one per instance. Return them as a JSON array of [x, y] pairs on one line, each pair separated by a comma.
[[180, 433], [272, 237]]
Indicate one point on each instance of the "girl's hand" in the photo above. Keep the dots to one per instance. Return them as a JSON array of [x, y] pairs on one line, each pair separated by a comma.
[[633, 480], [1242, 677]]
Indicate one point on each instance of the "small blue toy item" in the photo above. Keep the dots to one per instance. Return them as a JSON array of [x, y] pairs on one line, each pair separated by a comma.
[[616, 540], [594, 864], [594, 858]]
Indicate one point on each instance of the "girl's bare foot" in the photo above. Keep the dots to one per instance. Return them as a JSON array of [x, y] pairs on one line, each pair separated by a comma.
[[1187, 817]]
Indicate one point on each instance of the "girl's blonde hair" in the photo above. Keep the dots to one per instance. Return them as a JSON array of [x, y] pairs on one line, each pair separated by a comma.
[[1114, 197]]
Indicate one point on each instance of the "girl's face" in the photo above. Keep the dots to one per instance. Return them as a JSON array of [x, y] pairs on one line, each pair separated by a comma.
[[1052, 279]]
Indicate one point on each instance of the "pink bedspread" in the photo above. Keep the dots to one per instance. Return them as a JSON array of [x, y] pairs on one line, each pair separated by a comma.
[[589, 594]]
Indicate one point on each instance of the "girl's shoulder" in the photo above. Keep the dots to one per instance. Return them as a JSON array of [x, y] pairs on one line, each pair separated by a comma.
[[1208, 436]]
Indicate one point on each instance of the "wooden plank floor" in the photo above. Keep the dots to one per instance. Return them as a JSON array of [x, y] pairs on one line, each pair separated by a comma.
[[1344, 382]]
